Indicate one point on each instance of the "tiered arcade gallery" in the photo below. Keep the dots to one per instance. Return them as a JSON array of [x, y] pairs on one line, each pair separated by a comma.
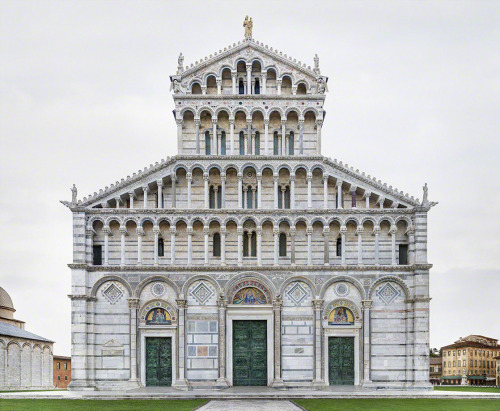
[[249, 259]]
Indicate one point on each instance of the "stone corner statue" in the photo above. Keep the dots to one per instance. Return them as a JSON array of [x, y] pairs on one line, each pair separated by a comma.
[[180, 64], [425, 200], [74, 193], [248, 24], [316, 64]]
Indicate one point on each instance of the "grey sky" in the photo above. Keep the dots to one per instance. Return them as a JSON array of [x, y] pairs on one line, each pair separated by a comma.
[[414, 98]]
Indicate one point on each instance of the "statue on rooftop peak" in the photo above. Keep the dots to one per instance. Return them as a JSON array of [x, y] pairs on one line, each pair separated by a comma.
[[316, 64], [180, 63], [248, 24]]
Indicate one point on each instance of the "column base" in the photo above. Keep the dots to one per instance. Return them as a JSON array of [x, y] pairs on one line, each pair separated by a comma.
[[182, 385], [318, 384], [368, 384], [221, 383], [278, 383]]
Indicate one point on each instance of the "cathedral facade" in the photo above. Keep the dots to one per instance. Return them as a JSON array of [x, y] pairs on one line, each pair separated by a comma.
[[249, 258]]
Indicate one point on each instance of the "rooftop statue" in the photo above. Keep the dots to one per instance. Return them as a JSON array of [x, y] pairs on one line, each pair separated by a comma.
[[248, 24]]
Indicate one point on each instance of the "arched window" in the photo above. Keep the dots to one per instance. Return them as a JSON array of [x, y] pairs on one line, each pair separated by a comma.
[[219, 198], [291, 144], [339, 247], [196, 89], [287, 197], [241, 87], [242, 143], [257, 86], [211, 197], [245, 244], [257, 143], [207, 142], [161, 247], [223, 143], [249, 197], [282, 245], [276, 143], [216, 245], [280, 197], [253, 244]]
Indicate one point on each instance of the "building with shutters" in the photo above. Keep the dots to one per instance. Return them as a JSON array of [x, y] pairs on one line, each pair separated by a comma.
[[249, 258]]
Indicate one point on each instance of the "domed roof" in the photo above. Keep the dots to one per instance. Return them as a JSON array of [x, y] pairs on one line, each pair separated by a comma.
[[5, 300]]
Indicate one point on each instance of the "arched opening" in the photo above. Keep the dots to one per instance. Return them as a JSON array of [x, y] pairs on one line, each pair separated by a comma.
[[286, 86], [242, 143], [249, 244], [291, 144], [212, 197], [301, 89], [223, 143], [282, 245], [241, 87], [276, 143], [271, 82], [208, 147], [227, 81], [216, 245], [196, 88], [161, 247], [257, 143], [211, 85], [257, 86]]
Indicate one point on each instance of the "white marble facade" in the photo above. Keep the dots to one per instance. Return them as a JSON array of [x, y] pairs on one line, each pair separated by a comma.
[[249, 201]]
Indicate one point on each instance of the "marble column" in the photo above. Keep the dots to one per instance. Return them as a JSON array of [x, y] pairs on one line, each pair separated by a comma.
[[233, 79], [339, 194], [140, 234], [133, 305], [266, 137], [292, 191], [283, 137], [318, 374], [223, 232], [283, 193], [278, 86], [380, 201], [179, 123], [276, 232], [411, 246], [248, 140], [145, 189], [190, 233], [123, 232], [254, 197], [189, 178], [240, 190], [107, 232], [159, 183], [223, 190], [259, 190], [232, 137], [131, 197], [263, 77], [359, 233], [249, 78], [173, 232], [275, 179], [156, 232], [376, 233], [207, 191], [293, 233], [393, 232], [319, 125], [245, 197], [309, 231], [181, 382], [239, 231], [326, 239], [259, 245], [367, 305], [219, 85], [343, 231], [173, 177], [301, 136], [206, 232], [214, 145], [198, 145], [216, 199], [352, 191], [277, 307], [118, 200], [309, 190], [89, 243], [366, 196], [325, 192], [222, 306]]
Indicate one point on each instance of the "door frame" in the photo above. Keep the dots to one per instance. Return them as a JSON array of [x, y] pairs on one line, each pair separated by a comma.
[[166, 333], [342, 331], [259, 312]]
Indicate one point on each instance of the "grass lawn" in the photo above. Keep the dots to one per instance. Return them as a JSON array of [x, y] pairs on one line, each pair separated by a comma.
[[467, 388], [108, 405], [385, 404]]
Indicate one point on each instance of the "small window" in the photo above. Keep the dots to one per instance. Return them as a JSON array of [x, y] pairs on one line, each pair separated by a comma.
[[250, 198], [97, 254], [241, 87], [257, 86], [65, 378], [58, 365], [161, 247], [65, 365], [58, 378], [339, 247], [216, 245], [280, 197], [211, 197], [245, 244], [242, 143], [291, 144], [223, 143], [257, 143], [253, 244], [276, 141], [403, 256], [287, 197], [282, 245], [207, 143]]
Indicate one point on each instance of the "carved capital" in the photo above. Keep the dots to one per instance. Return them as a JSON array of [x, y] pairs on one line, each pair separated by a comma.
[[140, 231], [181, 304], [223, 230], [319, 123], [206, 230], [123, 230], [277, 303], [205, 176], [197, 122], [276, 230], [173, 230], [156, 230], [132, 194], [367, 194], [343, 229], [106, 230], [353, 189], [376, 230], [145, 189], [367, 304], [339, 183], [133, 303], [309, 176], [266, 121], [393, 230], [189, 230], [410, 230], [318, 304], [326, 230], [359, 230], [189, 176], [293, 231], [214, 120], [259, 230], [159, 183], [309, 230]]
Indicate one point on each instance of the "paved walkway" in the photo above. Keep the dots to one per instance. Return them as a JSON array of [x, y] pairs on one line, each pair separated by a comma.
[[243, 405]]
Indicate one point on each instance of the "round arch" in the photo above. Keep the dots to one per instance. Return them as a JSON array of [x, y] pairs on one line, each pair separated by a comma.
[[107, 278], [146, 281]]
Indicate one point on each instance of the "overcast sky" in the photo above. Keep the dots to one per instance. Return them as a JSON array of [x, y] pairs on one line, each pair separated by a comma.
[[414, 98]]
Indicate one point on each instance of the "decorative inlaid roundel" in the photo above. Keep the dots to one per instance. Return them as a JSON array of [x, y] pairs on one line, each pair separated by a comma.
[[158, 289], [341, 289], [112, 293], [388, 293], [202, 293], [297, 293]]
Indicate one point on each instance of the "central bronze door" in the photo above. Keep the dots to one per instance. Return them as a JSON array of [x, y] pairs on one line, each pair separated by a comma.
[[158, 361], [250, 353], [341, 360]]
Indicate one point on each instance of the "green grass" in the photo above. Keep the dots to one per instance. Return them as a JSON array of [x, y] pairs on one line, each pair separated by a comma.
[[385, 404], [94, 405], [467, 388], [55, 389]]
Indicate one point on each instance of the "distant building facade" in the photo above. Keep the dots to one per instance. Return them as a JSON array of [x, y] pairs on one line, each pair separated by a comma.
[[472, 357], [25, 358], [498, 370], [62, 371], [435, 370]]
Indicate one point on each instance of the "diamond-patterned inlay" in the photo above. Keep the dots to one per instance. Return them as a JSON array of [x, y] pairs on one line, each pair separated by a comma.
[[202, 293], [297, 293], [112, 293], [388, 293]]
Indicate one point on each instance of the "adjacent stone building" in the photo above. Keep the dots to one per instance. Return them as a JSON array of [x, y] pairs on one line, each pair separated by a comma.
[[25, 358], [249, 258], [470, 360]]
